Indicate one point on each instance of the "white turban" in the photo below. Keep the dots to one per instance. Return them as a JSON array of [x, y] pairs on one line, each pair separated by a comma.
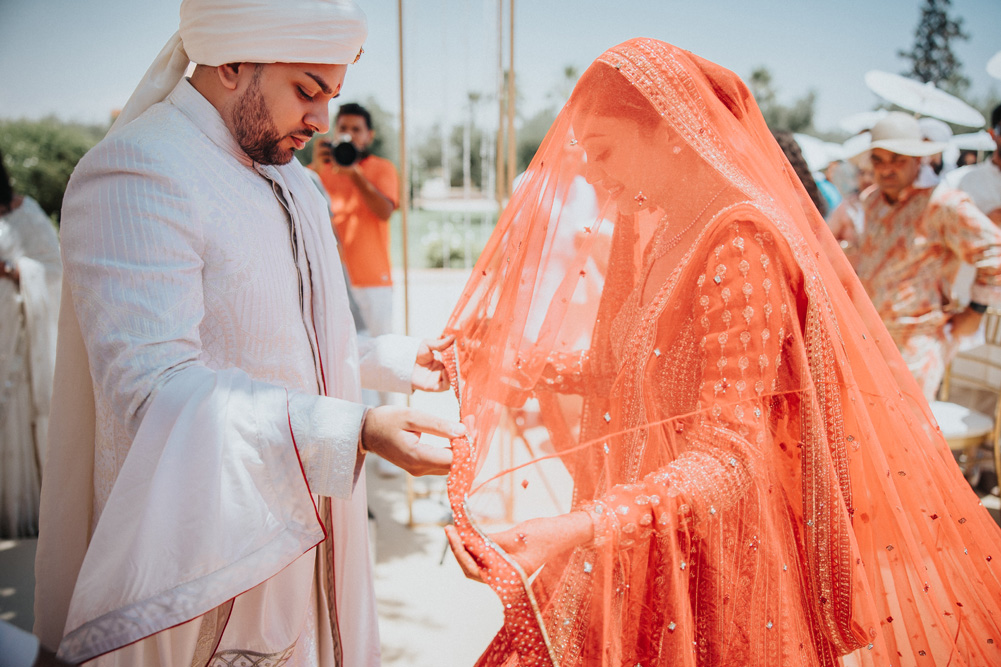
[[216, 32]]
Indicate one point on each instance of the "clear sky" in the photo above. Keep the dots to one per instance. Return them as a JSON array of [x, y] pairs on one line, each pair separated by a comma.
[[79, 59]]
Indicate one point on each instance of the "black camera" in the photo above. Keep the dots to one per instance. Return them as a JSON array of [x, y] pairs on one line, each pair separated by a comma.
[[345, 153]]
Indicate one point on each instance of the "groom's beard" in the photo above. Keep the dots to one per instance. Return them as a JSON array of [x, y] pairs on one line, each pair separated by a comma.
[[255, 129]]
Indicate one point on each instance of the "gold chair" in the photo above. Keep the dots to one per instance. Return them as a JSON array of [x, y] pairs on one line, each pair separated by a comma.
[[972, 419]]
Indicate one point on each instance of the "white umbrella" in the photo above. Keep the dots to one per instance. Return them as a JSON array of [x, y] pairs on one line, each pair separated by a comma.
[[922, 98], [994, 65], [862, 121], [817, 152], [856, 145], [932, 129], [974, 141]]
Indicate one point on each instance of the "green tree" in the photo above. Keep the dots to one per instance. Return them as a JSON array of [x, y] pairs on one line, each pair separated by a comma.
[[533, 130], [41, 154], [531, 134], [476, 139], [387, 137], [425, 150], [560, 93], [795, 118], [931, 56]]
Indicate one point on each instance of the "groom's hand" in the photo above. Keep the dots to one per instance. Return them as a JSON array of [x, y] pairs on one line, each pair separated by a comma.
[[394, 432], [429, 371]]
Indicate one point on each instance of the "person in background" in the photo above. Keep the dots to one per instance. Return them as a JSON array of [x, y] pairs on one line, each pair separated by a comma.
[[793, 152], [363, 191], [935, 166], [824, 165], [322, 153], [30, 281], [967, 158], [848, 219], [363, 195], [983, 181], [830, 191], [911, 248]]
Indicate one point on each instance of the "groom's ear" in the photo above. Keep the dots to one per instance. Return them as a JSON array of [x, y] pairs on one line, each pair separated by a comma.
[[231, 74]]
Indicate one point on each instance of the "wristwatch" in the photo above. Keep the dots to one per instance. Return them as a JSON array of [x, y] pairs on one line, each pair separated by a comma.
[[978, 307]]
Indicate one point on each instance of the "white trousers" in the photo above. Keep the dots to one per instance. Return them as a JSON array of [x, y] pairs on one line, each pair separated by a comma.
[[375, 305]]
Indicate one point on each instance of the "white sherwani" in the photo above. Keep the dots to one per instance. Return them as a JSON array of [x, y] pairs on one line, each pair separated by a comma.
[[205, 411]]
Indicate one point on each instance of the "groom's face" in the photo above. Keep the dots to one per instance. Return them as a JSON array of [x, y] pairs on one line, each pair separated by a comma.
[[281, 106]]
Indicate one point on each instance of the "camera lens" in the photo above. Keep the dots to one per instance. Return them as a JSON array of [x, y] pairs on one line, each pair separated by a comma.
[[345, 153]]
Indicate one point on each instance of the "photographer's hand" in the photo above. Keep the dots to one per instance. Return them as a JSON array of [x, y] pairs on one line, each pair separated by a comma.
[[322, 155], [381, 205]]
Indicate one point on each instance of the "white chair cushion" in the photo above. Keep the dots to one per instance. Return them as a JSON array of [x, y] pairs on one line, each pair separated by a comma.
[[957, 421]]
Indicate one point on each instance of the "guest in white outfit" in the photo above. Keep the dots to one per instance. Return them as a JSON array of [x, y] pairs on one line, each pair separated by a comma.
[[30, 275], [983, 181]]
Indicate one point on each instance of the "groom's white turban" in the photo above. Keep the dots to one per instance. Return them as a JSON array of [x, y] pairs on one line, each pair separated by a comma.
[[216, 32]]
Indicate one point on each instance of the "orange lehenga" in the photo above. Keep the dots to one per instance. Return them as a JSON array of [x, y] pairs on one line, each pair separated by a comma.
[[766, 482]]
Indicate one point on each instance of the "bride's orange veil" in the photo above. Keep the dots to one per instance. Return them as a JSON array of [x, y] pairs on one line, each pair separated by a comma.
[[663, 333]]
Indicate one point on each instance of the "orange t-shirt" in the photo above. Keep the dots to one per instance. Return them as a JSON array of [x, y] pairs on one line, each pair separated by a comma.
[[364, 238]]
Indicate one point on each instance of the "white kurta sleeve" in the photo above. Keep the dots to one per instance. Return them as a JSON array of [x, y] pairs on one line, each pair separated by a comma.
[[387, 362]]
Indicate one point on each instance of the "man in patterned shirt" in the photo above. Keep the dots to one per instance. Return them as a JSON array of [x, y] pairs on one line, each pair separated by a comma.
[[913, 243]]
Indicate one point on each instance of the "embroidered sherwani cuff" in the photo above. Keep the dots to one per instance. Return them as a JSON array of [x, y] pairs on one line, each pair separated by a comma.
[[387, 362], [326, 432]]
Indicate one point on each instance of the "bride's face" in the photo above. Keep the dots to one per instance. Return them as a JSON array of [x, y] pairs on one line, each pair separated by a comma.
[[623, 158]]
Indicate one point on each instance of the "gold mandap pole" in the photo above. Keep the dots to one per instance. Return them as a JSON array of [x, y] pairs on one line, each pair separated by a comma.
[[500, 190], [404, 209], [511, 91], [404, 178]]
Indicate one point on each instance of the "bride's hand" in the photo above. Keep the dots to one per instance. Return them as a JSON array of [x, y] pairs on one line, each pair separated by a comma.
[[531, 543], [465, 559]]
